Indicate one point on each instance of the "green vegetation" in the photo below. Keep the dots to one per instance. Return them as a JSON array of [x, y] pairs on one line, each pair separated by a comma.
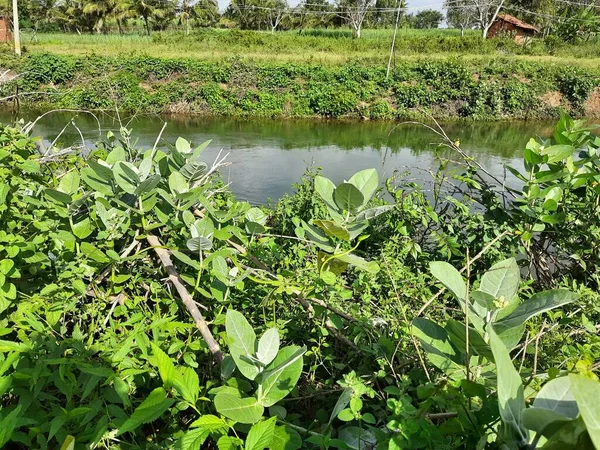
[[445, 89], [142, 306]]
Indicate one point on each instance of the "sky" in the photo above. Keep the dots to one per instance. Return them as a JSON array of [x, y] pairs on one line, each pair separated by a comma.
[[413, 5]]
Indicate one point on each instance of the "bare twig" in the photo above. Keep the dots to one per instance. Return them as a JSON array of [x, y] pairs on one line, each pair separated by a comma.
[[187, 299]]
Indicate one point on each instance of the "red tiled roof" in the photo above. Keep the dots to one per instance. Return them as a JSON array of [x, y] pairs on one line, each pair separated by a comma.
[[519, 23]]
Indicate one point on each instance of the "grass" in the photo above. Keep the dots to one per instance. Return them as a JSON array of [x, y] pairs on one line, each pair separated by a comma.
[[327, 47]]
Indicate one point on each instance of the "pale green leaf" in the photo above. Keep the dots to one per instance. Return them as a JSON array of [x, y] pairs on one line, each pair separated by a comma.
[[333, 229], [126, 176], [242, 343], [281, 376], [450, 278], [69, 183], [268, 346], [587, 394], [367, 182], [285, 438], [325, 188], [242, 410], [502, 280], [347, 197], [193, 439]]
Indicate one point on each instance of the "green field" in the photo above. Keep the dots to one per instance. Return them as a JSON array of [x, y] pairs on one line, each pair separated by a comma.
[[329, 47]]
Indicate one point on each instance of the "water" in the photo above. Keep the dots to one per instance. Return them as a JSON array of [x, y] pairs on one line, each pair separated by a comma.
[[267, 156]]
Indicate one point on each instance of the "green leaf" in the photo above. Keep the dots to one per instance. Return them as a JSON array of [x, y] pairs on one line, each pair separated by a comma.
[[193, 439], [187, 384], [367, 182], [117, 154], [229, 443], [261, 435], [210, 423], [242, 343], [96, 182], [256, 215], [553, 198], [126, 176], [342, 401], [69, 183], [346, 415], [182, 145], [193, 171], [268, 346], [557, 396], [281, 376], [150, 409], [58, 196], [347, 197], [165, 366], [558, 152], [572, 435], [68, 444], [484, 300], [359, 263], [502, 280], [83, 228], [543, 421], [587, 394], [285, 438], [371, 213], [333, 229], [242, 410], [450, 278], [325, 188], [178, 184], [198, 151], [199, 244], [8, 425], [511, 400], [94, 253], [537, 304], [477, 345], [436, 343], [147, 185]]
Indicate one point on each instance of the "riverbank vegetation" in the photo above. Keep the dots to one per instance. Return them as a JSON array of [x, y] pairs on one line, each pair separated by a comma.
[[448, 88], [143, 306]]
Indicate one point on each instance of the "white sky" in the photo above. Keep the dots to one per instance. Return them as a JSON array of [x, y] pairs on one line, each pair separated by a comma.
[[413, 5]]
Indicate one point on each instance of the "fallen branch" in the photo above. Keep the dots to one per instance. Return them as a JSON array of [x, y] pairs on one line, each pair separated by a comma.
[[187, 299]]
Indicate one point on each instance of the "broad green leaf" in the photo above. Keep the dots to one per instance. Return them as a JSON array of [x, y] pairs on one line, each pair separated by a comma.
[[371, 213], [485, 300], [94, 253], [103, 172], [553, 198], [210, 423], [126, 176], [357, 438], [182, 145], [178, 184], [511, 400], [229, 443], [199, 244], [587, 394], [147, 185], [96, 182], [325, 188], [537, 304], [502, 280], [58, 196], [165, 366], [69, 183], [558, 152], [572, 435], [256, 215], [285, 438], [347, 197], [261, 435], [193, 171], [281, 376], [242, 343], [242, 410], [477, 345], [367, 182], [150, 409], [359, 263], [333, 229], [543, 421], [83, 228], [268, 346], [436, 343], [450, 278], [193, 439], [117, 154], [316, 236], [557, 395], [5, 384]]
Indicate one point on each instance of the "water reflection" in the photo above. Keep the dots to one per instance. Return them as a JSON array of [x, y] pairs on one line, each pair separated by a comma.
[[269, 155]]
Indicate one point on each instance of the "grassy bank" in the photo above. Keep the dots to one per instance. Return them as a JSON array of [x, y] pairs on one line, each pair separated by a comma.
[[485, 89]]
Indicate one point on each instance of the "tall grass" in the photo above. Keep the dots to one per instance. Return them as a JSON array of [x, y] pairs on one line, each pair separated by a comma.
[[319, 45]]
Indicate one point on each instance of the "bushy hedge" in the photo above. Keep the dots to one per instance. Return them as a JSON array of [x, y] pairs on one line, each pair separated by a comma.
[[448, 88]]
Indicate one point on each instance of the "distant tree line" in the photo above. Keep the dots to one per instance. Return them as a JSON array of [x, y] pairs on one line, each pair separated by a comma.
[[571, 19]]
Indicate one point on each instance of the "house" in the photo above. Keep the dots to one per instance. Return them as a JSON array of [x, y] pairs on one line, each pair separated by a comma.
[[5, 34], [507, 24]]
